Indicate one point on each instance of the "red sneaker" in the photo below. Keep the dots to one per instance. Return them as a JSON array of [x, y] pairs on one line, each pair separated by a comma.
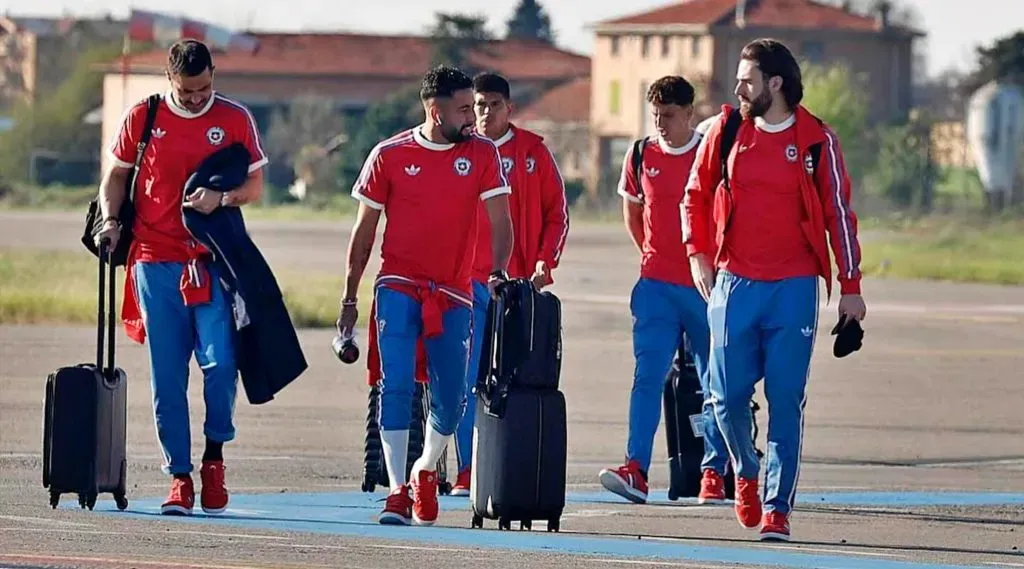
[[462, 483], [748, 503], [181, 499], [424, 498], [397, 508], [775, 527], [712, 488], [214, 496], [626, 481]]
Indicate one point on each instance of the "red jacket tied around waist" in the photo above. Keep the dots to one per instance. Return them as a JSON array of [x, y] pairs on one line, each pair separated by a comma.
[[434, 299]]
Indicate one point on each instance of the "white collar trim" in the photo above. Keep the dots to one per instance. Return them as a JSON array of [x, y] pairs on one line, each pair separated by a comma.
[[417, 135], [504, 138], [172, 103], [762, 124], [668, 149]]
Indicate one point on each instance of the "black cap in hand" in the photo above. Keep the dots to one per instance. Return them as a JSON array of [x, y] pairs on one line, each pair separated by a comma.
[[849, 337]]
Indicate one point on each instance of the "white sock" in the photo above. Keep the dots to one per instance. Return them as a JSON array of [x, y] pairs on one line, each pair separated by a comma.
[[396, 449], [434, 444]]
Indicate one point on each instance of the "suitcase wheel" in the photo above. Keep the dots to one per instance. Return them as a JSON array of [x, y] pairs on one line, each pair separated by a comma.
[[368, 486], [673, 495], [445, 488], [553, 525], [54, 499], [121, 501], [478, 521], [504, 524], [525, 525]]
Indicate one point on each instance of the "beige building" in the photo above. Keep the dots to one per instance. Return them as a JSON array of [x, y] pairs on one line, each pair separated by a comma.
[[562, 117], [702, 39], [37, 54]]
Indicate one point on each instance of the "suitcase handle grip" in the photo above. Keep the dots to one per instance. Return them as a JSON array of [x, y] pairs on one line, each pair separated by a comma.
[[106, 284]]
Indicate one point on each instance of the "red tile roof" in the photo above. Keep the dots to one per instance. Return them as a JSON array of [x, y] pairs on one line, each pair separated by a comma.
[[569, 102], [799, 14], [377, 56]]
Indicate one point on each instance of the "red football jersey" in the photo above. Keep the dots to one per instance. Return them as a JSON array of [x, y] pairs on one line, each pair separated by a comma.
[[430, 193], [179, 142], [506, 146], [663, 178], [765, 177]]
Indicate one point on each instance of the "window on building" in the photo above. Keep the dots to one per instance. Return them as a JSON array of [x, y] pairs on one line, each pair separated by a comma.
[[613, 97], [645, 46], [812, 51], [695, 46], [666, 46], [615, 45], [646, 118]]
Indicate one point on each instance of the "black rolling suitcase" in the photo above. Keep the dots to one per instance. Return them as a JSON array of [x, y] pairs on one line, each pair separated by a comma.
[[375, 472], [684, 430], [85, 418], [520, 439]]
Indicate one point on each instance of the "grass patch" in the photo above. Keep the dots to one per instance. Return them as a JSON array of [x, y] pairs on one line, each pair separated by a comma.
[[959, 249], [59, 287]]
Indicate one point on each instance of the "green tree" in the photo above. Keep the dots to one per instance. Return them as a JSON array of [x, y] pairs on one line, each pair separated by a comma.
[[839, 97], [382, 120], [297, 138], [455, 37], [53, 125], [904, 172], [1003, 61], [529, 22]]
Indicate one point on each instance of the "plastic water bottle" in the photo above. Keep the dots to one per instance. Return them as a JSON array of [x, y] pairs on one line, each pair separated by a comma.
[[345, 348]]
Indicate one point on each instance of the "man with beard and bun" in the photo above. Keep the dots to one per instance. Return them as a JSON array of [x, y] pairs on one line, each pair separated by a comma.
[[784, 190], [664, 302], [540, 220], [429, 181]]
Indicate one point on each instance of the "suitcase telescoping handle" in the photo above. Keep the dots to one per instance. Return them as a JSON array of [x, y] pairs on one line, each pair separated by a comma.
[[106, 284]]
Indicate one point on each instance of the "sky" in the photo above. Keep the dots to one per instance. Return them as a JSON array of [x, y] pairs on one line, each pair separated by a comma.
[[953, 30]]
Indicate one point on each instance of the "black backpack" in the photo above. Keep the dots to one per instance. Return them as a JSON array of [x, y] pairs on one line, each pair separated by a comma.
[[638, 163]]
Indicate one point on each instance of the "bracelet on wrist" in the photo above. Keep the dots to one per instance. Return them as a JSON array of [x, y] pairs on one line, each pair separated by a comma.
[[349, 301]]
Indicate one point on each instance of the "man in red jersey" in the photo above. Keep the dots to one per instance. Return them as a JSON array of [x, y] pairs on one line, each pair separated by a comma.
[[429, 181], [664, 302], [172, 293], [784, 189], [540, 220]]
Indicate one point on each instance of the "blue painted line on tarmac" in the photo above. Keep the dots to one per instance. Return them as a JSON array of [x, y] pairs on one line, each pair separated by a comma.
[[867, 499], [354, 514]]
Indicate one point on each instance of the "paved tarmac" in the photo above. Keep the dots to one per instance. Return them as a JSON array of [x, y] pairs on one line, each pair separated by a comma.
[[914, 447]]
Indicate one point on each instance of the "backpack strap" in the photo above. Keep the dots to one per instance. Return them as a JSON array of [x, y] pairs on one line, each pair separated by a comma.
[[728, 138], [638, 164], [815, 151], [152, 106]]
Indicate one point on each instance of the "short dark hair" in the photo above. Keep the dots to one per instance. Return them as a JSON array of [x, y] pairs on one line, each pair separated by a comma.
[[444, 81], [189, 58], [671, 90], [492, 83], [774, 59]]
